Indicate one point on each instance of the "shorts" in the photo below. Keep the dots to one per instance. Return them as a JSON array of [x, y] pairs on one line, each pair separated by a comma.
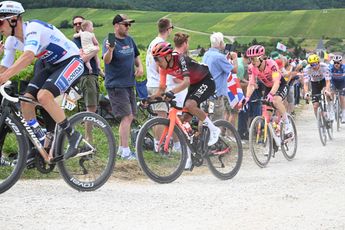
[[56, 78], [122, 101], [158, 106], [202, 90], [90, 89], [338, 85], [282, 90], [316, 88]]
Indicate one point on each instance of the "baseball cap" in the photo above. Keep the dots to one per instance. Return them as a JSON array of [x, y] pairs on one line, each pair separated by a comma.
[[122, 18]]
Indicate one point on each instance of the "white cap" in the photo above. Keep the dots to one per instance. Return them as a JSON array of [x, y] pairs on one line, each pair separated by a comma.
[[11, 7]]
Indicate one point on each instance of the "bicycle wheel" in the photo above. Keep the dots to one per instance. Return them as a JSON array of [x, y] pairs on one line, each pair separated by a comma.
[[260, 146], [321, 126], [159, 165], [13, 153], [337, 112], [91, 171], [289, 143], [329, 128], [224, 158]]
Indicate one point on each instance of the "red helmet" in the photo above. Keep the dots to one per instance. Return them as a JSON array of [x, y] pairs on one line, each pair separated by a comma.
[[255, 51], [162, 49]]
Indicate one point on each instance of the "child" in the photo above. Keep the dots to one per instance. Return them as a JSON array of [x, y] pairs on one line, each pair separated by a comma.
[[89, 44]]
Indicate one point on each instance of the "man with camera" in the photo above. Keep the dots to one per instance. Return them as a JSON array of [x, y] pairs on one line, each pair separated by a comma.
[[122, 65]]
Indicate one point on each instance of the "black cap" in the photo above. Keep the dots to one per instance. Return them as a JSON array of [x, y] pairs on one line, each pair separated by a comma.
[[122, 18]]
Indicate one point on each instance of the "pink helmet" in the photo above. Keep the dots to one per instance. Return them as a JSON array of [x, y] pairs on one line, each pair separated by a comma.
[[255, 51]]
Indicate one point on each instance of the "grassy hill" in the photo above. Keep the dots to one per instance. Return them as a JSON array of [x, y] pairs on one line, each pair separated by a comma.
[[311, 24]]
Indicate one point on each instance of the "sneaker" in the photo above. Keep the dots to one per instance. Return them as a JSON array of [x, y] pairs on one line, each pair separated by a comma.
[[130, 156], [343, 118], [74, 141], [188, 164], [214, 135]]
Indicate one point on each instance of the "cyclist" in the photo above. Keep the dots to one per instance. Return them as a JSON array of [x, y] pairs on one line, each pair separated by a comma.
[[337, 72], [267, 71], [196, 77], [62, 65], [318, 75]]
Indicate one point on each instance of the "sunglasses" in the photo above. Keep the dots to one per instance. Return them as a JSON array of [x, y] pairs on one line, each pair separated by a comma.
[[126, 24], [77, 24], [336, 63], [314, 64], [171, 27], [2, 20]]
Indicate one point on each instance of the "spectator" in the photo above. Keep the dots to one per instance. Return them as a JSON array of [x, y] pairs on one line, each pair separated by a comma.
[[89, 44], [120, 59], [89, 81], [220, 69]]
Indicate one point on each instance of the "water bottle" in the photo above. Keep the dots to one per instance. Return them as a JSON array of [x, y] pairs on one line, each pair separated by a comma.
[[37, 130]]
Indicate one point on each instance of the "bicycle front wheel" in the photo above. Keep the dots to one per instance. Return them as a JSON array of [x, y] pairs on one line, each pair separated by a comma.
[[13, 153], [159, 164], [90, 171], [289, 143], [337, 109], [260, 142], [321, 126], [224, 158]]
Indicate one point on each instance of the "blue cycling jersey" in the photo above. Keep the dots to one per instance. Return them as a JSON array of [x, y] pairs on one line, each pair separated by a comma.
[[337, 74]]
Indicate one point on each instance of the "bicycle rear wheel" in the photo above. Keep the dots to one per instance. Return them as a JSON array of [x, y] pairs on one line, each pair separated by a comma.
[[159, 165], [224, 158], [260, 146], [321, 126], [13, 153], [289, 143], [337, 109], [91, 171]]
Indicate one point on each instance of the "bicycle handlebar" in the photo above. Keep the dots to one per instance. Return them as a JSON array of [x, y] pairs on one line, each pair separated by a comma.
[[159, 100], [263, 101], [5, 95]]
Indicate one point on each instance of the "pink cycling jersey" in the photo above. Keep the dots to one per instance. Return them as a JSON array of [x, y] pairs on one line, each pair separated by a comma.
[[270, 74]]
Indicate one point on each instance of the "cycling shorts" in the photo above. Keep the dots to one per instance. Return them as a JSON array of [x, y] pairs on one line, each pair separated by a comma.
[[316, 88], [202, 90], [282, 90]]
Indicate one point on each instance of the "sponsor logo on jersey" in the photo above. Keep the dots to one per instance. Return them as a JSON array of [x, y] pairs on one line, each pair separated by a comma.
[[52, 53], [31, 43], [72, 71]]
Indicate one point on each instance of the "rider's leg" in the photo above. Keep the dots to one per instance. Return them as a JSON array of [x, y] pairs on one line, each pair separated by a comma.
[[28, 109]]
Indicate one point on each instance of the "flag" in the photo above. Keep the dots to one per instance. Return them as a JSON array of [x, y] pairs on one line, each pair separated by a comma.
[[235, 93], [281, 46]]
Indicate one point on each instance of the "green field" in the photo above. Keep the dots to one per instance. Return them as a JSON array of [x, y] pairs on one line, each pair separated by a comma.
[[311, 24]]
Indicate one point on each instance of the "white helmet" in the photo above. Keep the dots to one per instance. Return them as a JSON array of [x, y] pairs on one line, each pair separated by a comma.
[[338, 58], [11, 7]]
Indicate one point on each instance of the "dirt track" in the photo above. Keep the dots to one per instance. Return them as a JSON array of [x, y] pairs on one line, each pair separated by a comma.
[[307, 193]]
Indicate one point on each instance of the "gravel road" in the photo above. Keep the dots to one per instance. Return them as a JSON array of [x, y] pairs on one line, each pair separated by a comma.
[[307, 193]]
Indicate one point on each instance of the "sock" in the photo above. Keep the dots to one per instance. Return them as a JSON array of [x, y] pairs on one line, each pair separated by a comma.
[[285, 118], [209, 124], [119, 150], [66, 126], [126, 151]]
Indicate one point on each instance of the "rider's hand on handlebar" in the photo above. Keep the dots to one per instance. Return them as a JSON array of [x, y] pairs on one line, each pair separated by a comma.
[[168, 96], [269, 97]]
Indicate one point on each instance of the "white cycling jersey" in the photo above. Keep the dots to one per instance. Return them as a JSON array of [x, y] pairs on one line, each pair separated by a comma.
[[11, 45], [316, 75], [47, 42]]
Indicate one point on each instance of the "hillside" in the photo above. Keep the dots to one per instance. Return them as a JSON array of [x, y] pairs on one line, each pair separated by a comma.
[[191, 5], [311, 24]]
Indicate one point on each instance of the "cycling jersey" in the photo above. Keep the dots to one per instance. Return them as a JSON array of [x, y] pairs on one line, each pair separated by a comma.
[[270, 74], [184, 66], [316, 75], [47, 42], [337, 74], [12, 44]]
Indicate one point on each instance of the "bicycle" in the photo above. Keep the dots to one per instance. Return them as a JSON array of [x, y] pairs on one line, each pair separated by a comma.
[[337, 107], [323, 122], [267, 134], [87, 171], [165, 161]]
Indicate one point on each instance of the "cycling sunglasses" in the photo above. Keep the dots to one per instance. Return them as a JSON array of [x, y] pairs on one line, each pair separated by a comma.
[[314, 64], [2, 20], [336, 63]]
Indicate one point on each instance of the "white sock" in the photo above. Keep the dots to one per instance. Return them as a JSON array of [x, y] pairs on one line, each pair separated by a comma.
[[209, 124], [119, 150], [126, 151]]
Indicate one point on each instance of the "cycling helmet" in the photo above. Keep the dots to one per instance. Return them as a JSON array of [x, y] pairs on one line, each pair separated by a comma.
[[338, 58], [11, 7], [162, 49], [255, 51], [313, 58]]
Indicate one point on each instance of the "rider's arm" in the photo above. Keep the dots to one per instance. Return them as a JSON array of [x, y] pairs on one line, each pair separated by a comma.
[[183, 85], [276, 82], [23, 61], [251, 84]]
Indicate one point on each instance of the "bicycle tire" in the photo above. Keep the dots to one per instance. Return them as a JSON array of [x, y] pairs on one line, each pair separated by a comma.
[[100, 164], [294, 140], [321, 126], [337, 112], [158, 165], [228, 139], [261, 159], [15, 142], [329, 129]]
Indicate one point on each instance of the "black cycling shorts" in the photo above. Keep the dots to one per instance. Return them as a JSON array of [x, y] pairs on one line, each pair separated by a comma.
[[202, 90], [316, 88], [282, 91], [56, 78]]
